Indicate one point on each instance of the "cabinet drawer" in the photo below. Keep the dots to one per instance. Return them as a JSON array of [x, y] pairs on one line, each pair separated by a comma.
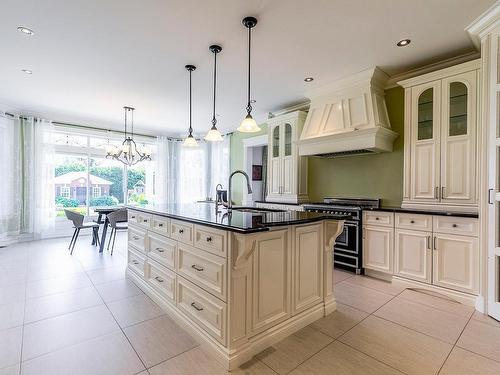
[[181, 231], [136, 262], [161, 249], [204, 309], [205, 270], [414, 221], [161, 279], [381, 218], [137, 238], [144, 220], [456, 225], [133, 216], [211, 240], [160, 225]]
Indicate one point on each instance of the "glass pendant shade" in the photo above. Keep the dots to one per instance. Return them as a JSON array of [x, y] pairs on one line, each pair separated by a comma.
[[214, 135], [249, 125], [190, 141]]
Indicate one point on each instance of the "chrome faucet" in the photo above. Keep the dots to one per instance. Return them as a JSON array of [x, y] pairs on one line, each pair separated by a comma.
[[249, 188]]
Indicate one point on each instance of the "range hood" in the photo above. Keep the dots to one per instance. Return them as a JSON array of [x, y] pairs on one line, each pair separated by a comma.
[[348, 117]]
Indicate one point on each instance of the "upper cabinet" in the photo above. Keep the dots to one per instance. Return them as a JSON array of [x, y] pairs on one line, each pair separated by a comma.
[[440, 139], [287, 171]]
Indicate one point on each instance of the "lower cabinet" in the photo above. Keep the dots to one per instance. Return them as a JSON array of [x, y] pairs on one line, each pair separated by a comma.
[[413, 255], [378, 248], [456, 262]]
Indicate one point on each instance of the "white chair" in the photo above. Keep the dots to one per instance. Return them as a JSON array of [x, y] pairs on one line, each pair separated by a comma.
[[78, 224]]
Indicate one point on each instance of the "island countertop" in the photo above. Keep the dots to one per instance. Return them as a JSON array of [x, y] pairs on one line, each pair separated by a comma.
[[236, 221]]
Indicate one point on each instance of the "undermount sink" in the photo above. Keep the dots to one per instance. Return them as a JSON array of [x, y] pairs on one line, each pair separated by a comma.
[[256, 210]]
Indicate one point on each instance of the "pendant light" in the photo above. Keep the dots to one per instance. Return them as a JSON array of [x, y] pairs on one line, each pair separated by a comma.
[[249, 125], [190, 141], [214, 134]]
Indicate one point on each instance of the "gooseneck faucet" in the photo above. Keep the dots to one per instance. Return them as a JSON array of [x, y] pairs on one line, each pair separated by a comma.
[[249, 188]]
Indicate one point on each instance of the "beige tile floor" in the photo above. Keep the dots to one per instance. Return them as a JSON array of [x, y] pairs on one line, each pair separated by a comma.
[[79, 315]]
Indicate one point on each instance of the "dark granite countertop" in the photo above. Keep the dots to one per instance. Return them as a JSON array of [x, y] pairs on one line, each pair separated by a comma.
[[236, 221], [424, 212]]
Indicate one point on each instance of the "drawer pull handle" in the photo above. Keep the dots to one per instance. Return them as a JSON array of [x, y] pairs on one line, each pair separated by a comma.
[[181, 231], [160, 225], [197, 268], [159, 279], [435, 244], [135, 262], [133, 217], [195, 306], [412, 221], [376, 218], [135, 238], [209, 239], [454, 225], [145, 220], [160, 250]]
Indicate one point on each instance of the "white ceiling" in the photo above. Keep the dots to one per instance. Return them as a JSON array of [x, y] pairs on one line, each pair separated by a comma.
[[91, 57]]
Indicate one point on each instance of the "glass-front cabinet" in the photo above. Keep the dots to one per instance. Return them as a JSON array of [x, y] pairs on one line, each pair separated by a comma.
[[287, 171], [440, 151]]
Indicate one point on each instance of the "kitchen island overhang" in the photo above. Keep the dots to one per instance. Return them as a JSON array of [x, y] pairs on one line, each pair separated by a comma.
[[238, 285]]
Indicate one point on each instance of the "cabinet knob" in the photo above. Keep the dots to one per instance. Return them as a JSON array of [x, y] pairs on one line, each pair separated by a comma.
[[412, 221], [376, 218], [454, 225], [181, 231], [209, 239], [160, 225]]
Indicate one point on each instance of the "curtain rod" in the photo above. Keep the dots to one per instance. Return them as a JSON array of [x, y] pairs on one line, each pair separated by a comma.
[[94, 128]]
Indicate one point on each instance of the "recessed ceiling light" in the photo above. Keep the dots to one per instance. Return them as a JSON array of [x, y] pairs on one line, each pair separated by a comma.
[[308, 79], [403, 42], [25, 30], [27, 71]]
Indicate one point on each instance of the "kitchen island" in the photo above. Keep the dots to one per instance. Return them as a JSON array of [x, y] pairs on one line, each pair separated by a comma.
[[238, 281]]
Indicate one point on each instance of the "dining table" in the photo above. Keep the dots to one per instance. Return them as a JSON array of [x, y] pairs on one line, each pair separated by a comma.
[[102, 218]]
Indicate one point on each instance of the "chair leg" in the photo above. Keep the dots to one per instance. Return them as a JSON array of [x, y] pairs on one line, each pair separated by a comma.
[[74, 242], [95, 236], [110, 237], [72, 239], [114, 238]]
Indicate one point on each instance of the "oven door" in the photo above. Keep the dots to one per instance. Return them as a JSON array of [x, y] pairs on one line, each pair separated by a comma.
[[348, 240]]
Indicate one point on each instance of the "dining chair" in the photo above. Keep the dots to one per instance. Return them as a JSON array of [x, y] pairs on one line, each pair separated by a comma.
[[117, 221], [78, 224]]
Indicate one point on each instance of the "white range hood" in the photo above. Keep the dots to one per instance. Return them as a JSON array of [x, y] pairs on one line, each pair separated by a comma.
[[348, 117]]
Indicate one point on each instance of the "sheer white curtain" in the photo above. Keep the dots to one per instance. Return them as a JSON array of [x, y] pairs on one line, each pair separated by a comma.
[[39, 171], [186, 175], [11, 192]]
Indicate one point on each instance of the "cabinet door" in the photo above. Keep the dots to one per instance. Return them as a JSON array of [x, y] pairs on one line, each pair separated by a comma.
[[413, 255], [458, 156], [275, 161], [456, 262], [425, 110], [287, 164], [378, 248], [307, 266], [271, 280]]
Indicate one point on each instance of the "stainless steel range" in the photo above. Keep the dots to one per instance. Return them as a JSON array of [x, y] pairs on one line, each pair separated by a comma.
[[347, 251]]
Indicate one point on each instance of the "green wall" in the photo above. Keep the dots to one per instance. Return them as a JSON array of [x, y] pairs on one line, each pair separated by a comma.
[[375, 176], [236, 161]]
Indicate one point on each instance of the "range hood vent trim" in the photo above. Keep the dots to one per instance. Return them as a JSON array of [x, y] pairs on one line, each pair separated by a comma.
[[348, 115]]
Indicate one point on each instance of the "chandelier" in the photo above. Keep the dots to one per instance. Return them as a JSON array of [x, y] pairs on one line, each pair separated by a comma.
[[128, 153]]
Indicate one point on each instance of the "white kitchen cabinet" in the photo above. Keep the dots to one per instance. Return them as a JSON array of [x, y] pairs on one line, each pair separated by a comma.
[[456, 262], [440, 147], [378, 248], [287, 171], [413, 255]]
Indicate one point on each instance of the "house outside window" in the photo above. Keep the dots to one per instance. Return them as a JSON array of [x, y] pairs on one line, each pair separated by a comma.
[[96, 191]]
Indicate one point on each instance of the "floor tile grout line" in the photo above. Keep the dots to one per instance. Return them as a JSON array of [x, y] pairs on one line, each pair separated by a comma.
[[369, 287], [455, 344], [118, 324], [175, 356], [24, 312]]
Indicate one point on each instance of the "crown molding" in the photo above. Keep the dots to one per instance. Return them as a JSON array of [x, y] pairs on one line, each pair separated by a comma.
[[460, 59], [302, 106], [483, 24]]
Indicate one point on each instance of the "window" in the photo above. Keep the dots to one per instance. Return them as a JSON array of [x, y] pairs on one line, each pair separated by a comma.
[[64, 192], [85, 178]]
